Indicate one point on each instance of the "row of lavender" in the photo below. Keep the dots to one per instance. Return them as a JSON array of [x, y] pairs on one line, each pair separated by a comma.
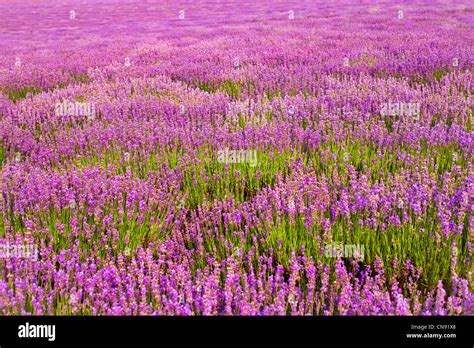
[[304, 159]]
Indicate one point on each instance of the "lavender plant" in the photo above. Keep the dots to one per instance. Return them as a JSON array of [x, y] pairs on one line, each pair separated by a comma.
[[206, 160]]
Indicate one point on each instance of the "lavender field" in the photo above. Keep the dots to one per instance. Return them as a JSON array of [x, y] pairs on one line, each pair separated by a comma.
[[236, 158]]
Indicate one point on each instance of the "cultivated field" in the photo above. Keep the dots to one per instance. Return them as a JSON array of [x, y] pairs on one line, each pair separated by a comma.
[[241, 158]]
